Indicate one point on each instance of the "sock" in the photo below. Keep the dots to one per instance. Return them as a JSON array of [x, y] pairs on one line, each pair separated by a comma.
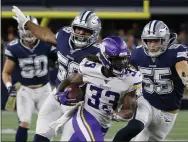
[[133, 128], [39, 138], [21, 134]]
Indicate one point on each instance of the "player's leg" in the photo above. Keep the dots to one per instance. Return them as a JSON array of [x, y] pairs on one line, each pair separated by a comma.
[[49, 112], [25, 107], [141, 118], [161, 124], [42, 93], [83, 127]]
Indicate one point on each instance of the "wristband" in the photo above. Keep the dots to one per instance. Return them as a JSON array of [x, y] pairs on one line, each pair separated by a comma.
[[8, 84]]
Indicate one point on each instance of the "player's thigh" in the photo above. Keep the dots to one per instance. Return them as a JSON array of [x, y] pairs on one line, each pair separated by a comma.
[[25, 105], [68, 131], [42, 93], [161, 125], [143, 111], [49, 112]]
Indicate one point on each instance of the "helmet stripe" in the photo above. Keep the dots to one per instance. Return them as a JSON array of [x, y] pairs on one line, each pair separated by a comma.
[[152, 25], [149, 26], [88, 15], [84, 16]]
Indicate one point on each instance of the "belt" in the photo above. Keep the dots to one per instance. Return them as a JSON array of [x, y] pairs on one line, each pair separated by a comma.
[[35, 86]]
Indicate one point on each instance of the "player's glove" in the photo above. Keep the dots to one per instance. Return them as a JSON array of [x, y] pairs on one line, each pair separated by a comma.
[[12, 91], [20, 17], [61, 97]]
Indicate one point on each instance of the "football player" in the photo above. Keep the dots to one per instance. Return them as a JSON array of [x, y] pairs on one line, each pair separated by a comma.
[[165, 74], [110, 85], [29, 57], [73, 43]]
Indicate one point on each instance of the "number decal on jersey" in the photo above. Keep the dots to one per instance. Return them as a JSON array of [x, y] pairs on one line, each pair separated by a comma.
[[37, 66], [156, 80], [109, 97], [66, 68], [90, 64], [132, 72], [67, 29]]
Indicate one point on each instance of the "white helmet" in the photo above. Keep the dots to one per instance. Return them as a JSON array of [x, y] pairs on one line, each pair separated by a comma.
[[87, 20], [157, 30]]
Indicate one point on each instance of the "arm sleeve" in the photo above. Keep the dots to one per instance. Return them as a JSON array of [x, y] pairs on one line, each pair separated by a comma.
[[137, 82], [10, 53], [182, 53]]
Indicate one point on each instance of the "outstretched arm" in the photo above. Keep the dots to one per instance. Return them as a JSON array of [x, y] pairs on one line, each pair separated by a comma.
[[41, 33]]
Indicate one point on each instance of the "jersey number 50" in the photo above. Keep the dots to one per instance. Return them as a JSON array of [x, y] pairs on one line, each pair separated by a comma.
[[37, 66]]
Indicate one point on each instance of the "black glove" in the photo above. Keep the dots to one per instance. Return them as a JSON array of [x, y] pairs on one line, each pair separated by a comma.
[[12, 91]]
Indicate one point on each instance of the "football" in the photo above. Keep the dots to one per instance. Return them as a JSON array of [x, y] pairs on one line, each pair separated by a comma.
[[75, 93]]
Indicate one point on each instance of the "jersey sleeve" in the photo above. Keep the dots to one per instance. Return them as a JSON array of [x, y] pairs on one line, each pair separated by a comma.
[[10, 53], [135, 57], [137, 82], [90, 68], [182, 53]]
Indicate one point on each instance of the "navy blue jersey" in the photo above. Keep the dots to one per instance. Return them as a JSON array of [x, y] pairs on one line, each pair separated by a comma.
[[31, 63], [162, 86], [69, 58]]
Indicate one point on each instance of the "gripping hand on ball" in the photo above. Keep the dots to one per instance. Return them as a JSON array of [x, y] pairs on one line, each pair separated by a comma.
[[61, 97]]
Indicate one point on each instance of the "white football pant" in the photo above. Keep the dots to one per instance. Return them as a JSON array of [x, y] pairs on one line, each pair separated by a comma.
[[50, 111], [29, 100], [157, 123]]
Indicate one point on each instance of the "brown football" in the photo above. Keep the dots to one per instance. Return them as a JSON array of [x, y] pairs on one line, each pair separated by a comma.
[[75, 93]]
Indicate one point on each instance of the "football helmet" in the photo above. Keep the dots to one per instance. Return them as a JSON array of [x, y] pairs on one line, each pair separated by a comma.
[[114, 54], [158, 31], [26, 34], [89, 21]]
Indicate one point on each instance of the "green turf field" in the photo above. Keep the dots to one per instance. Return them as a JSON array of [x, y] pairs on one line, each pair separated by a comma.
[[9, 126]]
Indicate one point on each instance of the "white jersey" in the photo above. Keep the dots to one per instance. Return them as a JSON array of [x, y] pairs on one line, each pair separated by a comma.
[[102, 93]]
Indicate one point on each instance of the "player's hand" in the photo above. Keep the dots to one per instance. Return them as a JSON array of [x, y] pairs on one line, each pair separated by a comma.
[[20, 17], [61, 97], [12, 91]]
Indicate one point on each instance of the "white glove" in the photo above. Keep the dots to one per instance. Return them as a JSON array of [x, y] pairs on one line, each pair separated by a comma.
[[20, 17]]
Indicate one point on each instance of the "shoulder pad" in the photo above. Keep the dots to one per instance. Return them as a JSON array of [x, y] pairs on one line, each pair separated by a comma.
[[175, 46], [97, 45], [140, 46], [13, 42]]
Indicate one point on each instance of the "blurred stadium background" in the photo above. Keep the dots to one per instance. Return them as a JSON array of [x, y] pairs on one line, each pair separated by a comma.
[[125, 18]]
